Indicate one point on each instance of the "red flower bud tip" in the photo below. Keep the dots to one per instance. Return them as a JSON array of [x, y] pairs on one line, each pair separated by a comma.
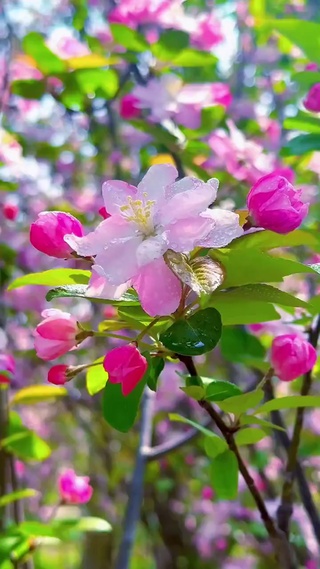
[[292, 356], [128, 107], [125, 365], [7, 367], [48, 231], [274, 204], [103, 212], [74, 489], [58, 374], [312, 100], [10, 211]]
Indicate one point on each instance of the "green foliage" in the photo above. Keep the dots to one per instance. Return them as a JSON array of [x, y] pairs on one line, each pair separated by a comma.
[[120, 411], [79, 291], [306, 36], [237, 345], [303, 121], [18, 495], [170, 44], [214, 444], [131, 39], [242, 403], [24, 443], [101, 82], [253, 420], [218, 390], [301, 144], [53, 277], [224, 475], [290, 402], [96, 378], [38, 394], [270, 240], [155, 367], [249, 436], [47, 62], [195, 335], [29, 88]]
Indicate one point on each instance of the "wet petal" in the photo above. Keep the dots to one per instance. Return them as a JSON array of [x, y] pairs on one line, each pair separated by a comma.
[[151, 249], [185, 234], [119, 261], [116, 193], [225, 228], [100, 287], [158, 288], [188, 203], [154, 183]]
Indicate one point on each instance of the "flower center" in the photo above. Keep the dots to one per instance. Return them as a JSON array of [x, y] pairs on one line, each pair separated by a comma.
[[140, 212]]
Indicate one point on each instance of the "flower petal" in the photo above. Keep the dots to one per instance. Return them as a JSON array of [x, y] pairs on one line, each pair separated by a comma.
[[99, 286], [225, 228], [188, 203], [119, 261], [109, 230], [185, 234], [151, 249], [154, 183], [158, 288], [116, 193]]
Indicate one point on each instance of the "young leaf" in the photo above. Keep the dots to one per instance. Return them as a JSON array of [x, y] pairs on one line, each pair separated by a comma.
[[252, 420], [96, 378], [218, 390], [118, 410], [214, 446], [128, 38], [155, 367], [53, 277], [241, 403], [249, 436], [195, 335], [49, 63], [202, 275], [194, 391], [224, 475], [290, 402], [179, 419], [79, 291], [27, 445], [37, 394], [18, 495]]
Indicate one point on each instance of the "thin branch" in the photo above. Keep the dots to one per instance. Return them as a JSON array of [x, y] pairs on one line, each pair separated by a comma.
[[135, 499], [282, 549], [285, 509]]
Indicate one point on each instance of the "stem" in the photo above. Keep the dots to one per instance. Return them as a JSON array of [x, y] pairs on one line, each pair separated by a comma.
[[285, 509], [132, 515], [3, 453], [18, 511], [147, 329], [282, 549]]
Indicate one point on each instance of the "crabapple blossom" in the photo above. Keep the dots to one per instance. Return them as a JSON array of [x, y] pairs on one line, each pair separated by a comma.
[[10, 211], [74, 489], [48, 231], [57, 374], [7, 365], [145, 222], [312, 100], [125, 365], [292, 356], [274, 204], [56, 334]]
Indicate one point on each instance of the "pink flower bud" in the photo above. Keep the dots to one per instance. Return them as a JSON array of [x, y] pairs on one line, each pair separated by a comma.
[[55, 335], [128, 107], [311, 67], [74, 489], [10, 211], [292, 356], [57, 374], [7, 366], [312, 100], [125, 365], [48, 231], [207, 493], [274, 204]]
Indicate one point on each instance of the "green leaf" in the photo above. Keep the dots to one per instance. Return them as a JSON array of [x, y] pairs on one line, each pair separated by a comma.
[[306, 79], [50, 64], [194, 391], [247, 311], [79, 291], [29, 88], [202, 275], [128, 38], [86, 524], [214, 444], [92, 80], [170, 43], [306, 36], [241, 403], [237, 345], [224, 475], [193, 58], [96, 378], [254, 266], [290, 402], [180, 419], [252, 420], [249, 436], [303, 121], [28, 446], [6, 186], [37, 394], [53, 277], [258, 292], [155, 367], [218, 390], [195, 335], [301, 145], [270, 240], [120, 411], [18, 495]]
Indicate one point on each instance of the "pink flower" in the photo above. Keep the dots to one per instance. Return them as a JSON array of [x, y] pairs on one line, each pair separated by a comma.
[[74, 489], [312, 100], [63, 44], [48, 231], [292, 356], [57, 374], [55, 335], [145, 222], [311, 67], [207, 32], [10, 211], [274, 204], [207, 493], [8, 366], [125, 365], [128, 107], [134, 12]]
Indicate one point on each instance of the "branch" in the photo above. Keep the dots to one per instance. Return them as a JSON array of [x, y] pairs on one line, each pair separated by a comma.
[[132, 514], [154, 453], [282, 549], [285, 509]]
